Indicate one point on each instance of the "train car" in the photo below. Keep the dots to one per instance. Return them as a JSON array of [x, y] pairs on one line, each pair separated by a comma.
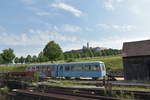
[[68, 70], [44, 70], [77, 70], [22, 76], [15, 74]]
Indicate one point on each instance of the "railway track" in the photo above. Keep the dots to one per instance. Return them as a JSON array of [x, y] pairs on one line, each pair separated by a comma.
[[46, 91], [35, 95], [115, 83], [141, 95], [69, 93]]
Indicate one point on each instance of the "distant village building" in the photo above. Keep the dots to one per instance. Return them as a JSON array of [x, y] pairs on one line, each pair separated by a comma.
[[136, 60], [100, 48], [88, 46], [96, 48]]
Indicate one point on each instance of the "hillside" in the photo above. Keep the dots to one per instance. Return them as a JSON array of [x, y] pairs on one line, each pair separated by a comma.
[[112, 62]]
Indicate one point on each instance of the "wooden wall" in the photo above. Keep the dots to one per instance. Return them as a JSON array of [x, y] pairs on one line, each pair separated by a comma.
[[136, 68]]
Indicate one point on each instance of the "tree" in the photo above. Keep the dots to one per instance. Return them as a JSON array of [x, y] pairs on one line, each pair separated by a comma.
[[90, 53], [16, 60], [1, 59], [34, 58], [53, 51], [22, 59], [42, 58], [8, 55], [28, 59]]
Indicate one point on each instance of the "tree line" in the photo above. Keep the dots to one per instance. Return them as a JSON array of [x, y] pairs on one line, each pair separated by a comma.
[[90, 52], [53, 52]]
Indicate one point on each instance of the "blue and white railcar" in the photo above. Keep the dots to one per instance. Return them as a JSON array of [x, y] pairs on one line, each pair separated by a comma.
[[85, 69], [77, 70]]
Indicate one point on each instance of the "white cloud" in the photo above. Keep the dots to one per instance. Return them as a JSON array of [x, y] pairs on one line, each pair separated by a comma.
[[116, 42], [116, 27], [139, 7], [71, 28], [33, 41], [111, 4], [64, 28], [68, 8], [136, 10], [24, 51], [34, 37], [42, 13]]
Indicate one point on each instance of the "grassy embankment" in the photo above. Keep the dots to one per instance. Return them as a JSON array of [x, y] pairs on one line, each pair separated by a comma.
[[112, 62], [16, 68]]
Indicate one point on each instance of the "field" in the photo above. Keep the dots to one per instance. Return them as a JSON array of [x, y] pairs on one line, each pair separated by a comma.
[[111, 62], [16, 68]]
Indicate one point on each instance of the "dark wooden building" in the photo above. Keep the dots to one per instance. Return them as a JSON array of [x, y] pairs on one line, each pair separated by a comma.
[[136, 60]]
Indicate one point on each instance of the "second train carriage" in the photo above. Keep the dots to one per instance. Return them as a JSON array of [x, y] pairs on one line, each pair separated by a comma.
[[77, 70]]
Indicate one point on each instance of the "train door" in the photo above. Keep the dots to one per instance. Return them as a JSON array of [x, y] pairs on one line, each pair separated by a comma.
[[60, 71]]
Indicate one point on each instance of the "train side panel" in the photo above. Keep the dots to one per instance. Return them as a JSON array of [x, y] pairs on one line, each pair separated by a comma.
[[88, 69], [81, 70]]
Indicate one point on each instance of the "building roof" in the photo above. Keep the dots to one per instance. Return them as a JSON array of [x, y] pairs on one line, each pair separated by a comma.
[[136, 48]]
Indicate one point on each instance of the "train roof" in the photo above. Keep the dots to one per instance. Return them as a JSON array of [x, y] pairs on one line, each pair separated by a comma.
[[94, 62], [84, 62]]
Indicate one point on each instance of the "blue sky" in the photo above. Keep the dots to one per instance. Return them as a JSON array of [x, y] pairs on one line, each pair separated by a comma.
[[27, 25]]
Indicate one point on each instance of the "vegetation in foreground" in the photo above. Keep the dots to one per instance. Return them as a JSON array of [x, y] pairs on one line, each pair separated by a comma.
[[3, 93], [131, 89]]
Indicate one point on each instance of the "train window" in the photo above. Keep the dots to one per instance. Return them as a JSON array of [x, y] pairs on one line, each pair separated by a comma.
[[79, 68], [37, 68], [86, 68], [94, 68], [40, 68], [52, 67], [32, 68], [29, 68], [44, 68], [67, 68], [103, 67], [76, 68], [48, 68], [71, 67], [97, 67]]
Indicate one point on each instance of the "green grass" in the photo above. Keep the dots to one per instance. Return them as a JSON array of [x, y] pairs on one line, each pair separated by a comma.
[[16, 68], [111, 62], [131, 89]]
